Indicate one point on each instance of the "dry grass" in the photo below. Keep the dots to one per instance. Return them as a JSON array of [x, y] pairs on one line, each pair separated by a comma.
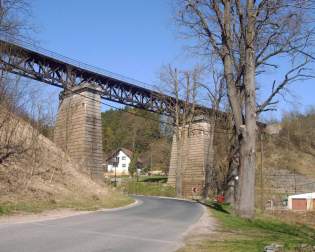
[[44, 177], [280, 155], [294, 218], [79, 203]]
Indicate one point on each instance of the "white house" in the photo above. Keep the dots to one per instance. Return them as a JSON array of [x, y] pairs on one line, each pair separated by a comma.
[[303, 202], [119, 161]]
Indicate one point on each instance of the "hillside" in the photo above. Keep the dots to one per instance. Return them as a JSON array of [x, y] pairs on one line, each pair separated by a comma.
[[288, 153], [289, 157], [286, 169], [42, 176], [139, 131]]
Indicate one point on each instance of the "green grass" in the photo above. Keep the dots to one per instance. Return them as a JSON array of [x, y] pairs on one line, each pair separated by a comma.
[[84, 203], [148, 188], [160, 179], [240, 235]]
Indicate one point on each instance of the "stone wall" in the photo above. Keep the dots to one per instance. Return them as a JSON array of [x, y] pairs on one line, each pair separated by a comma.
[[78, 129], [283, 181]]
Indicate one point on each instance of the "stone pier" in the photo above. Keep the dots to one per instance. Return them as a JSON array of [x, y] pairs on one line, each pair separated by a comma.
[[78, 129], [195, 154]]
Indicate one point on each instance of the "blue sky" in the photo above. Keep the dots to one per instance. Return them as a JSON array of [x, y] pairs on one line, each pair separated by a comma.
[[133, 38]]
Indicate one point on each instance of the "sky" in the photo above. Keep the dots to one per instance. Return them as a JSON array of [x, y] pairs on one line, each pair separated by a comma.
[[132, 38]]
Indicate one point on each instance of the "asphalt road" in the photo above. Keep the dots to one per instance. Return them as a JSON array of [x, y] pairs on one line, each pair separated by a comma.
[[153, 225]]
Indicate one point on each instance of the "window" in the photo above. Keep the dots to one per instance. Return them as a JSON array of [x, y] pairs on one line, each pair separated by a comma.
[[123, 158], [123, 165]]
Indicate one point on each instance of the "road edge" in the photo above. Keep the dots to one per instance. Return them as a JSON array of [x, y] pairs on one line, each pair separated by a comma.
[[163, 197], [58, 214], [205, 225]]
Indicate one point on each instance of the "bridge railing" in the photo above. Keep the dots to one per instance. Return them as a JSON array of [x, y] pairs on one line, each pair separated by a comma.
[[33, 47]]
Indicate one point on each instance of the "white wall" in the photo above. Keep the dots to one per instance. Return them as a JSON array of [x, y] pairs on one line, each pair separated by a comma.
[[123, 165]]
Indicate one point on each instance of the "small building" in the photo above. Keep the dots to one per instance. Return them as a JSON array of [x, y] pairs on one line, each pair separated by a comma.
[[119, 162], [302, 202]]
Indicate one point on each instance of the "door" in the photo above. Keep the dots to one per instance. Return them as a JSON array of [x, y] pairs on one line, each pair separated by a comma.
[[299, 204]]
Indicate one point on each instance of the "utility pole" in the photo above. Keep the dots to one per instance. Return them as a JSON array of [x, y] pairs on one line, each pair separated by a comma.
[[294, 172], [261, 172], [115, 177], [115, 163], [150, 158]]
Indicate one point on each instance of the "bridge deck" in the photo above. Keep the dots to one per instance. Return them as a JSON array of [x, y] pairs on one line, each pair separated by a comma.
[[51, 68]]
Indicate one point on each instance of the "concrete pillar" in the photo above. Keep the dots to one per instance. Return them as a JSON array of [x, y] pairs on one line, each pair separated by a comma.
[[195, 155], [78, 129]]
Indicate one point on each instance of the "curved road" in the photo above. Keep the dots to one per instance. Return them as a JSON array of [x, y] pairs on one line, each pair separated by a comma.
[[153, 225]]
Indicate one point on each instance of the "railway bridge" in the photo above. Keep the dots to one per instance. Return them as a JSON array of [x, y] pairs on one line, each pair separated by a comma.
[[78, 123]]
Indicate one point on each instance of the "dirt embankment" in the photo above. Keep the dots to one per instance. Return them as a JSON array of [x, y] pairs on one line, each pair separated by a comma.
[[42, 177], [286, 168]]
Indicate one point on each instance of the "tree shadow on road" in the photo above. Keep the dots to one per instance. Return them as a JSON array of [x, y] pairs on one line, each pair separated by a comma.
[[214, 205]]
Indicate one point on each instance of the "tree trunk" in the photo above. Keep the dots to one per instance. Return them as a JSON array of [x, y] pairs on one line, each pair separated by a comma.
[[209, 164], [178, 171], [246, 207], [233, 95], [231, 187]]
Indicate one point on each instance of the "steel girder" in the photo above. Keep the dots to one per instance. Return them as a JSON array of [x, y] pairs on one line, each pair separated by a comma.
[[50, 69]]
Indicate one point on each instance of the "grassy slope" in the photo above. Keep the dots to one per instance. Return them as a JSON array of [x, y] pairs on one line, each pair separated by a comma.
[[88, 204], [279, 155], [239, 235], [45, 177], [152, 186]]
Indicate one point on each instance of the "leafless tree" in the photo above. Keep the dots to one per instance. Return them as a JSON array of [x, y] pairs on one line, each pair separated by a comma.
[[249, 37], [215, 90], [183, 86], [15, 136], [15, 19]]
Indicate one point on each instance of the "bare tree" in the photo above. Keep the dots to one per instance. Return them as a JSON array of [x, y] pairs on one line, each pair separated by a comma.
[[13, 137], [15, 17], [215, 91], [183, 87], [249, 36]]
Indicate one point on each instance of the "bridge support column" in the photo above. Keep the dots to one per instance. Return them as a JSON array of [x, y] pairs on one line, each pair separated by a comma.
[[78, 129], [195, 153]]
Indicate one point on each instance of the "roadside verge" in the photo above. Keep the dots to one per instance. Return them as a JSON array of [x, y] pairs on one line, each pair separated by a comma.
[[57, 214]]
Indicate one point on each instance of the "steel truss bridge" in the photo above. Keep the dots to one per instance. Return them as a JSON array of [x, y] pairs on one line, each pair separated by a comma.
[[44, 66]]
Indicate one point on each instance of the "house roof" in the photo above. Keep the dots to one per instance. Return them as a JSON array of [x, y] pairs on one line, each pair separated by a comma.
[[128, 152], [303, 196]]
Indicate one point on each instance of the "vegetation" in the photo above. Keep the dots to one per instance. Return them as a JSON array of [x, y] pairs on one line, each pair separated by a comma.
[[133, 164], [288, 157], [139, 131], [83, 203], [149, 188], [243, 42], [242, 235], [299, 130], [161, 179]]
